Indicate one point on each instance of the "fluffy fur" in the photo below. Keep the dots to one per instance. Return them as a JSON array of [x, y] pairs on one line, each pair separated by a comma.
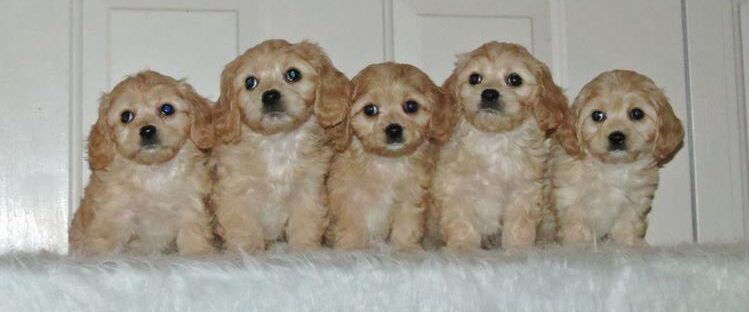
[[147, 195], [276, 140], [682, 278], [489, 181], [602, 188], [378, 185]]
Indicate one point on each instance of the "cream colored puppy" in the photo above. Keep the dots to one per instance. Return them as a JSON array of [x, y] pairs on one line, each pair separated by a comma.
[[378, 185], [622, 131], [150, 179], [489, 181], [282, 111]]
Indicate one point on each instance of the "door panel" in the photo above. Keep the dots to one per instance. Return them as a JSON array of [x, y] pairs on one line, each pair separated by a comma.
[[429, 34], [34, 101]]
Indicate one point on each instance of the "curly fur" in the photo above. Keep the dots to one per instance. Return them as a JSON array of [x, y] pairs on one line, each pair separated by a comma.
[[270, 167], [603, 193], [490, 178], [378, 190], [147, 199]]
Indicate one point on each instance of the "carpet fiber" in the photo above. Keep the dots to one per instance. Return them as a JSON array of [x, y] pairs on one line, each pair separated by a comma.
[[682, 278]]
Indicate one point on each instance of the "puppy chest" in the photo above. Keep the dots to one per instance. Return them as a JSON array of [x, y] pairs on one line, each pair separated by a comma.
[[606, 191], [388, 186]]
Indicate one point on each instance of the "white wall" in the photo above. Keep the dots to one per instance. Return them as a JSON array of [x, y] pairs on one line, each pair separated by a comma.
[[58, 57]]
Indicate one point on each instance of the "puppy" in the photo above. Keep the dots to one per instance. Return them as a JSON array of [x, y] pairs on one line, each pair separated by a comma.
[[150, 180], [623, 129], [489, 181], [378, 185], [281, 113]]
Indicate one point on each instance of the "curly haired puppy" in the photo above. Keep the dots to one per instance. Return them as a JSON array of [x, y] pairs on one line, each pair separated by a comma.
[[378, 185], [622, 131], [489, 181], [281, 113], [150, 178]]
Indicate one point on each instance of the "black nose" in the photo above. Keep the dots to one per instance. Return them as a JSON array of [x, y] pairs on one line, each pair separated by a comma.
[[617, 138], [394, 132], [148, 132], [271, 97], [490, 95]]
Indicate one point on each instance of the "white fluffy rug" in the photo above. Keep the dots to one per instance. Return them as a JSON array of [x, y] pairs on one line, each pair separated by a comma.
[[684, 278]]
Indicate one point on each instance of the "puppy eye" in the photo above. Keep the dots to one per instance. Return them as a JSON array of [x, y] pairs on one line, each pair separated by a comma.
[[166, 109], [410, 107], [127, 117], [250, 83], [293, 75], [371, 110], [514, 80], [598, 116], [636, 114], [475, 79]]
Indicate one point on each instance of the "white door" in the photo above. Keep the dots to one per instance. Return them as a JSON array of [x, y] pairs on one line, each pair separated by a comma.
[[58, 57]]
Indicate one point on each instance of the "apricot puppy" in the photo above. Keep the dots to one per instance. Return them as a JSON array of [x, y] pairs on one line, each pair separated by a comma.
[[281, 113], [490, 178], [623, 129], [378, 185], [150, 179]]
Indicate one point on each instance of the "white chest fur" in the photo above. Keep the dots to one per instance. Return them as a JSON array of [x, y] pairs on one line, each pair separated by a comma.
[[492, 169], [283, 157], [388, 176], [604, 191], [151, 202]]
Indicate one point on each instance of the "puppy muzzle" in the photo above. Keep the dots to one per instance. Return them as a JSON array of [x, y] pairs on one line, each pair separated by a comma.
[[489, 100], [394, 134], [272, 102], [617, 141], [149, 136]]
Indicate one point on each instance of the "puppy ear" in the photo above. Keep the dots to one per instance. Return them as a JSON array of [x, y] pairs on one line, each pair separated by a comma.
[[332, 96], [101, 149], [444, 115], [226, 115], [451, 83], [670, 135], [567, 135], [550, 108], [201, 129]]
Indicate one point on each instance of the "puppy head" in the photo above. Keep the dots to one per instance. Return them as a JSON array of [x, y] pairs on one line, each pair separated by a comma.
[[396, 108], [277, 86], [500, 85], [147, 118], [621, 115]]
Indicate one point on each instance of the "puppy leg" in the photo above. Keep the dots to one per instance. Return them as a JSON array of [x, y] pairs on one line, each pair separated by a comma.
[[307, 214], [348, 229], [195, 236], [574, 228], [521, 218], [408, 226], [104, 237], [629, 229], [456, 223], [239, 224]]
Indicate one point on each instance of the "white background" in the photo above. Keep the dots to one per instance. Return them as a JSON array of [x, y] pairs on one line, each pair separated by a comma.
[[57, 57]]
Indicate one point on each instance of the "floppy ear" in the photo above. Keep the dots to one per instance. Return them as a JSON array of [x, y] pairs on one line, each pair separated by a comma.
[[226, 114], [444, 115], [201, 129], [670, 134], [101, 149], [332, 96], [550, 108], [567, 135]]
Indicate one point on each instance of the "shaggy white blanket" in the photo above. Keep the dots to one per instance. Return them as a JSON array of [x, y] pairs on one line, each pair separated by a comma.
[[683, 278]]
